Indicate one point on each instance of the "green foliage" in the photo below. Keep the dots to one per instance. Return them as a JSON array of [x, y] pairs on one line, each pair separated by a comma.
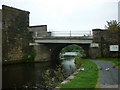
[[71, 48], [81, 53], [59, 74], [30, 55], [78, 61], [52, 78], [113, 25], [48, 78]]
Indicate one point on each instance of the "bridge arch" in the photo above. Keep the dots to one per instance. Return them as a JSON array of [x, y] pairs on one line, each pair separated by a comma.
[[56, 51], [73, 48], [51, 51]]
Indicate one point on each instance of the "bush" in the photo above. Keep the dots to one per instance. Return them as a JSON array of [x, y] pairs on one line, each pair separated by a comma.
[[59, 74], [48, 78], [78, 61], [29, 56], [51, 78]]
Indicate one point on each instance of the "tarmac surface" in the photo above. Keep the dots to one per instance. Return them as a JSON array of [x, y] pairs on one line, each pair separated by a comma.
[[109, 74]]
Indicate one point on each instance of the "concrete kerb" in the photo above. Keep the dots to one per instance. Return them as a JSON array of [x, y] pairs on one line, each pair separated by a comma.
[[98, 84]]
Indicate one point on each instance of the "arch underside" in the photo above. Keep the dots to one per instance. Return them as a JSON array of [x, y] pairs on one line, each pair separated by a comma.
[[55, 49]]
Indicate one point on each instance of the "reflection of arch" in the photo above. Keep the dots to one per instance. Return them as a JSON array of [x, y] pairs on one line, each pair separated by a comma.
[[51, 51]]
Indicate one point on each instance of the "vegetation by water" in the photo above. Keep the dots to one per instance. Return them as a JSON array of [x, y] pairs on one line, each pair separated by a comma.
[[52, 78], [59, 74], [115, 61], [30, 56], [78, 61], [84, 79]]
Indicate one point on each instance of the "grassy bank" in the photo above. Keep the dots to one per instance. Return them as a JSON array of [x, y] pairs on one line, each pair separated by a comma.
[[115, 61], [84, 79]]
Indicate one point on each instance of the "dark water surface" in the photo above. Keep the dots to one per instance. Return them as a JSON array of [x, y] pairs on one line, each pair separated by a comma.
[[31, 74]]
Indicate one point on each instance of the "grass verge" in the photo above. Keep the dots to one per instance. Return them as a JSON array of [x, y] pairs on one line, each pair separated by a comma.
[[84, 79], [115, 61]]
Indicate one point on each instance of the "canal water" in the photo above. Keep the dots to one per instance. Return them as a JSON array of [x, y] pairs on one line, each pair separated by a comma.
[[31, 74]]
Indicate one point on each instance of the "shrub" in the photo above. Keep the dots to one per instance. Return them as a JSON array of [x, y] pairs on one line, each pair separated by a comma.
[[51, 78], [72, 69], [29, 56], [59, 74], [47, 78], [78, 61]]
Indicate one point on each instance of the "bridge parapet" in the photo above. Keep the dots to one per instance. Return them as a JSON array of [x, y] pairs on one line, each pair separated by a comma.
[[65, 38], [82, 40]]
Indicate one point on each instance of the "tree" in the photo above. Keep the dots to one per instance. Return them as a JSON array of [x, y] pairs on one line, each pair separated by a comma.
[[72, 48], [112, 25]]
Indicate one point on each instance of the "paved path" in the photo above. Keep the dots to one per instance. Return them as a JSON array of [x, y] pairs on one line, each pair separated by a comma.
[[108, 79]]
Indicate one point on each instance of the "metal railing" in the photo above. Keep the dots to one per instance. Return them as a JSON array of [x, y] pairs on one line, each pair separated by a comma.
[[71, 33]]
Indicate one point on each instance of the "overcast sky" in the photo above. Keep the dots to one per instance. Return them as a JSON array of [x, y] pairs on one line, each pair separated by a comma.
[[66, 15]]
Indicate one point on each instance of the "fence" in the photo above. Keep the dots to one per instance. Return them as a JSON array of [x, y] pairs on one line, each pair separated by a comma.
[[71, 33]]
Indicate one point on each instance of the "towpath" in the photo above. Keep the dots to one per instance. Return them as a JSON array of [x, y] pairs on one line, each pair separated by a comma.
[[109, 74]]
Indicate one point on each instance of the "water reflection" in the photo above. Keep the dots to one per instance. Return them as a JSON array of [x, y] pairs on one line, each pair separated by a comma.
[[23, 74], [31, 74], [67, 65]]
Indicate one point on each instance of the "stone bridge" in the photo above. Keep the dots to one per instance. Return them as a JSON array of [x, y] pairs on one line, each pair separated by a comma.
[[48, 48], [96, 46]]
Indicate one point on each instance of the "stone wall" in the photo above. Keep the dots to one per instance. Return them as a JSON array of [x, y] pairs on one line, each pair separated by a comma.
[[39, 31], [16, 36], [42, 53], [105, 38]]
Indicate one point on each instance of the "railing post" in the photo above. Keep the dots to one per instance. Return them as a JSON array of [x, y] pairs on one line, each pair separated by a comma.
[[36, 34], [90, 33], [70, 33]]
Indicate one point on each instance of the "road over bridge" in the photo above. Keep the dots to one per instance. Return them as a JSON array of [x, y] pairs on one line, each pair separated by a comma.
[[76, 40]]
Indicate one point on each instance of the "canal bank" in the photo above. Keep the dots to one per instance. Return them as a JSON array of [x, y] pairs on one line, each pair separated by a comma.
[[86, 77], [108, 76], [31, 75]]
